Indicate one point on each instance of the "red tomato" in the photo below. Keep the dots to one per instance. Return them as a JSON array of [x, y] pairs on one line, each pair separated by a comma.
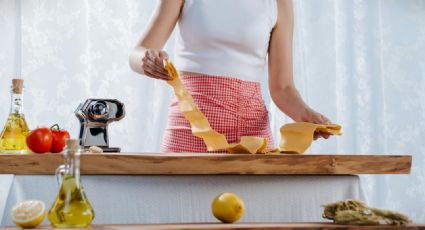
[[59, 139], [40, 140]]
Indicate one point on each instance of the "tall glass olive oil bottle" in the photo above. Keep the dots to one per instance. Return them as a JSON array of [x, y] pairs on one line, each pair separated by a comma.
[[71, 209], [13, 136]]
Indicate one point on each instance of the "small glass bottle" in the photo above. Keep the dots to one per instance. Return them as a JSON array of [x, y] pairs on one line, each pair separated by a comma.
[[13, 136], [71, 209]]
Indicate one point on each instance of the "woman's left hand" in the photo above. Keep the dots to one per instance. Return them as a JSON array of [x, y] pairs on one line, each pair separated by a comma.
[[312, 116]]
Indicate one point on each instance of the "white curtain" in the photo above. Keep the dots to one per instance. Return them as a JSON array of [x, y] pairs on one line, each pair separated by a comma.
[[361, 63]]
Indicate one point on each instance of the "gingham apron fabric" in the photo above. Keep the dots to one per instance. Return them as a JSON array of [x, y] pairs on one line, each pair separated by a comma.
[[233, 107]]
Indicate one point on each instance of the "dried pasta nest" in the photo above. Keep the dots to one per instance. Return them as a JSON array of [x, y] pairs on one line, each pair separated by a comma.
[[355, 212]]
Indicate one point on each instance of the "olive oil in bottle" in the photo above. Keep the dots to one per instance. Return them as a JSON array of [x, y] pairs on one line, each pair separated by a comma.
[[13, 136], [71, 209]]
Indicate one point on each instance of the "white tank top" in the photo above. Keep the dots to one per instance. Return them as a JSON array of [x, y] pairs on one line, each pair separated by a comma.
[[225, 37]]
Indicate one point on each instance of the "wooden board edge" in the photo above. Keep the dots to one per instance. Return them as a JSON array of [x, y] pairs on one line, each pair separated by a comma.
[[332, 161]]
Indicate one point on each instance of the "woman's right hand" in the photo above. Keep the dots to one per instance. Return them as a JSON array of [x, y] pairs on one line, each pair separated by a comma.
[[309, 115], [152, 64]]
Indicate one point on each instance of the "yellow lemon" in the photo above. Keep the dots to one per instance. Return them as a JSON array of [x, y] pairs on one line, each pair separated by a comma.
[[29, 213], [228, 207]]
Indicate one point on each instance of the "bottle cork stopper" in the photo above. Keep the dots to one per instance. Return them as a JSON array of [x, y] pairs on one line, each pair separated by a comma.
[[17, 85], [73, 144]]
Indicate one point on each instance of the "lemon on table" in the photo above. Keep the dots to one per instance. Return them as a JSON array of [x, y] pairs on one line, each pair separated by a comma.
[[29, 213], [228, 207]]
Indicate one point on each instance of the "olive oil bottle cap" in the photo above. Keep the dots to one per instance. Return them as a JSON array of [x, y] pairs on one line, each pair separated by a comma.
[[17, 85]]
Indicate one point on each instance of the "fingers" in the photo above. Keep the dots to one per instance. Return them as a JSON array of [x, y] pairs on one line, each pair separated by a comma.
[[153, 55], [325, 135], [324, 120], [152, 65], [320, 119], [150, 72], [154, 74], [320, 134], [163, 55], [316, 135], [317, 118], [157, 57]]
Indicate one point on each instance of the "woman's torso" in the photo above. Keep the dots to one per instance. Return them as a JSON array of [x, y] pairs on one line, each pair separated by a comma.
[[225, 37]]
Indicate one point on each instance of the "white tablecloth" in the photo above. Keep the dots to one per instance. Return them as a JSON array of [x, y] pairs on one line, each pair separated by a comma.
[[5, 185], [162, 199]]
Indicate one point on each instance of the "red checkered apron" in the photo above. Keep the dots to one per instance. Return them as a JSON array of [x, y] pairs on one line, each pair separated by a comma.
[[233, 107]]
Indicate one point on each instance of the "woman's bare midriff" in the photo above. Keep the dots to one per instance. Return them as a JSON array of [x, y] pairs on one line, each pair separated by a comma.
[[190, 73]]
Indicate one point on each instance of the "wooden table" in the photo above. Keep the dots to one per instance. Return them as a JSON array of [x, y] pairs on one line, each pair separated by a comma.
[[178, 188], [191, 163], [245, 226]]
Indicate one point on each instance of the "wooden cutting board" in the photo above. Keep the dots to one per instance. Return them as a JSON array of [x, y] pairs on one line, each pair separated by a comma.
[[198, 163], [245, 226]]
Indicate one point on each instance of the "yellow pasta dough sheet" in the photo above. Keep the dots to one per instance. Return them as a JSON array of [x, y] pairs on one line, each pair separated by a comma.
[[295, 137]]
